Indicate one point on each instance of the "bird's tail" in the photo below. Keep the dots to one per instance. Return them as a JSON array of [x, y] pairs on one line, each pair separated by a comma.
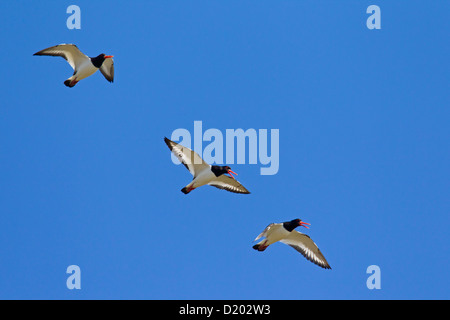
[[185, 190], [188, 188], [70, 83], [260, 247]]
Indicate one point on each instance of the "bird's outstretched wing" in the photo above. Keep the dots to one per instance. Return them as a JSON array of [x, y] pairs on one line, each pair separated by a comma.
[[70, 52], [303, 244], [191, 160], [107, 69], [226, 183]]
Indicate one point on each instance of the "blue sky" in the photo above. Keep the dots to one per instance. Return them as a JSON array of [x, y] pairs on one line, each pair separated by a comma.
[[363, 116]]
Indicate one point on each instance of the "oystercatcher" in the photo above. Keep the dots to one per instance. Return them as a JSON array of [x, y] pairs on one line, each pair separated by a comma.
[[285, 233], [82, 65], [204, 174]]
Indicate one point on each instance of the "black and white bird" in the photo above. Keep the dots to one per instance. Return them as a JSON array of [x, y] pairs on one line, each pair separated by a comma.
[[204, 174], [285, 233], [82, 65]]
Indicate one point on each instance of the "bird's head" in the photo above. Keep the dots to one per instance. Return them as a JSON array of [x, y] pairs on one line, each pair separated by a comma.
[[219, 170], [98, 60], [291, 225]]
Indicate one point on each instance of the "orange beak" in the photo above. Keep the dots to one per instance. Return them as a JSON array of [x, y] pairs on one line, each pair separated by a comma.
[[230, 173], [303, 224], [108, 57]]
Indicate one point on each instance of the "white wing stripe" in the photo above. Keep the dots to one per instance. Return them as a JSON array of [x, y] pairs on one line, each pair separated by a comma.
[[303, 244], [229, 184], [185, 155]]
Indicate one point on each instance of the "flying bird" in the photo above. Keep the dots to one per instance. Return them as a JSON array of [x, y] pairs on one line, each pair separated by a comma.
[[204, 174], [82, 65], [285, 233]]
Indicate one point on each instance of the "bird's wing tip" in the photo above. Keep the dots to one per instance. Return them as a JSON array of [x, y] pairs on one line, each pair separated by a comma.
[[168, 143]]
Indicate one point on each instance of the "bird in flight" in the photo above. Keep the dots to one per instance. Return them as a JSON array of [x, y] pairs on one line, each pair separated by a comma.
[[285, 233], [204, 174], [82, 65]]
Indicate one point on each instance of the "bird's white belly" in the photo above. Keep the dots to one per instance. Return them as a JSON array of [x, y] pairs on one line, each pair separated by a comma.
[[204, 178], [277, 234], [85, 70]]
